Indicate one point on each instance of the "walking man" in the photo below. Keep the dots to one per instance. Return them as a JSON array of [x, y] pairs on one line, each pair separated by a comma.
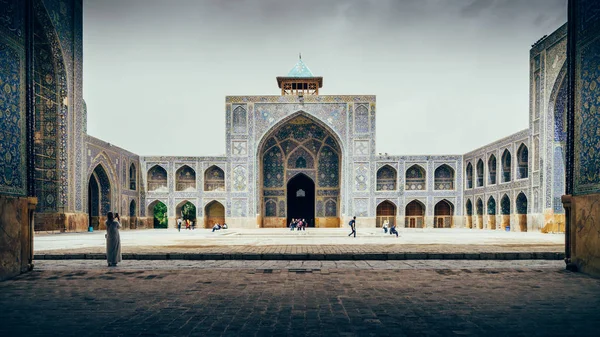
[[179, 224], [352, 224]]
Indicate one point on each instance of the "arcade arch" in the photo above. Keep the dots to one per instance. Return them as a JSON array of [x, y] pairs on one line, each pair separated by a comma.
[[443, 214], [99, 197], [491, 211], [415, 215], [492, 170], [506, 168], [469, 175], [443, 178], [214, 212], [522, 162], [157, 179], [157, 210], [479, 210], [214, 179], [386, 211], [185, 179], [386, 178], [416, 178], [522, 212], [505, 211], [469, 213]]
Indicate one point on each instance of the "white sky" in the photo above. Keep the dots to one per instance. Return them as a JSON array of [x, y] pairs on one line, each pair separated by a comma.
[[449, 75]]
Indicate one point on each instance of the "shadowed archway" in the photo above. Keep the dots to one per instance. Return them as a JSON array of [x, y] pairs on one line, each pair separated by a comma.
[[301, 199]]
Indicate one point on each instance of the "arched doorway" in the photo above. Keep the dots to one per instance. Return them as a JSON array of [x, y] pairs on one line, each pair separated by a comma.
[[99, 197], [386, 211], [301, 199], [214, 212], [505, 211], [187, 211], [132, 214], [522, 212], [479, 209], [157, 210], [491, 211], [469, 212], [415, 215], [298, 150], [443, 214]]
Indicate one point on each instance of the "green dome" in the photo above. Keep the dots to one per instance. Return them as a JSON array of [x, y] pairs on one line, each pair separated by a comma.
[[300, 70]]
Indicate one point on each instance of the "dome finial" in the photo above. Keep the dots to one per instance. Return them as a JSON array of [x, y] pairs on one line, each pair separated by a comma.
[[300, 56]]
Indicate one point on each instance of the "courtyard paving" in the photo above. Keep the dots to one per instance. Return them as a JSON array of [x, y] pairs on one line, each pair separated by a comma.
[[300, 298], [313, 244]]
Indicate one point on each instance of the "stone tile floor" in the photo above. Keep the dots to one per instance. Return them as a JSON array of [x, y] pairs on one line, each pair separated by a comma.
[[300, 298], [313, 241]]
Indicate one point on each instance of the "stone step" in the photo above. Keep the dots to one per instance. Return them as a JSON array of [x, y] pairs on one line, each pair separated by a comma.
[[313, 256]]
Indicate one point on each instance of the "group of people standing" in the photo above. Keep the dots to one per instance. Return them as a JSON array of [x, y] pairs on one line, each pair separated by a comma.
[[188, 224], [298, 224]]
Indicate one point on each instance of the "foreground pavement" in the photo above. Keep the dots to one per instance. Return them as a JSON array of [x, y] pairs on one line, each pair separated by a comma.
[[301, 298], [313, 244]]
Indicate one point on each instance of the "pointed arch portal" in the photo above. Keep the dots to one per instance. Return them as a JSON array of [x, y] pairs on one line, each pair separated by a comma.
[[299, 164]]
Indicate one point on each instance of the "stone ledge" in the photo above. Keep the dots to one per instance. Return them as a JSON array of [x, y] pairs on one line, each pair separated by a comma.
[[318, 256]]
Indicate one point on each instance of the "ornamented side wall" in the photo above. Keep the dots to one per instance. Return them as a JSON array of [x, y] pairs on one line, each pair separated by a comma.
[[497, 186], [112, 181], [547, 112], [16, 208], [582, 201], [59, 130]]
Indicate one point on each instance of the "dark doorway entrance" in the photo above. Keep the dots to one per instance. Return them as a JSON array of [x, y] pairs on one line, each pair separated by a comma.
[[93, 203], [301, 199]]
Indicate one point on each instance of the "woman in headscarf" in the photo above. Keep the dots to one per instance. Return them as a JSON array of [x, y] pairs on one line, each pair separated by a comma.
[[113, 240]]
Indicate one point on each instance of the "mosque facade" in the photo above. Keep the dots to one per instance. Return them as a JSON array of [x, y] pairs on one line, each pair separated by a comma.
[[305, 155]]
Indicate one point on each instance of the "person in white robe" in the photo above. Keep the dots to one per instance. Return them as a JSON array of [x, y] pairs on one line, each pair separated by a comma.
[[113, 240]]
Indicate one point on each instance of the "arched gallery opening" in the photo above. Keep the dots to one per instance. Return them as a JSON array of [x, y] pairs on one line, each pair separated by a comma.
[[479, 173], [415, 215], [415, 178], [386, 178], [491, 212], [469, 213], [300, 162], [185, 179], [522, 162], [99, 197], [186, 211], [157, 179], [444, 178], [132, 214], [469, 175], [132, 177], [386, 211], [492, 170], [506, 168], [214, 212], [505, 211], [522, 212], [479, 209], [443, 214], [214, 179], [157, 210], [301, 199]]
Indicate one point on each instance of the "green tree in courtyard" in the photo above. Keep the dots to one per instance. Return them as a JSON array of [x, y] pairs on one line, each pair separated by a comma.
[[160, 216], [188, 212]]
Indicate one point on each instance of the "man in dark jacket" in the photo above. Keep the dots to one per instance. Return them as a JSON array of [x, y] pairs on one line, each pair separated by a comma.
[[353, 226]]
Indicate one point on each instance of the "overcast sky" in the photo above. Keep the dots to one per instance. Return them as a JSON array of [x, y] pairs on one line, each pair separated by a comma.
[[449, 75]]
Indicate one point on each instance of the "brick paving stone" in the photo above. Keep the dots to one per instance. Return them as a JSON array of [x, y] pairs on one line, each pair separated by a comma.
[[301, 298]]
